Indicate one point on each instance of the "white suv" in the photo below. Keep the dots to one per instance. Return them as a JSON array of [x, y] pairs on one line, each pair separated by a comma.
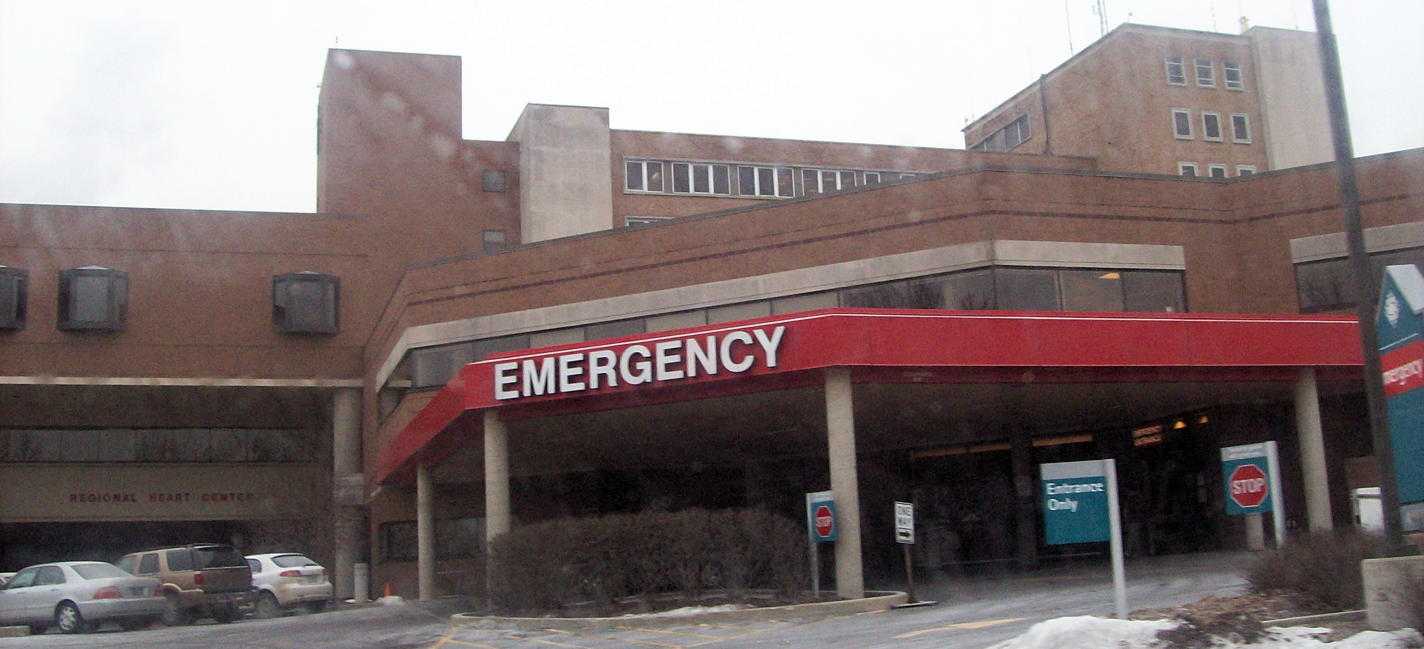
[[285, 580]]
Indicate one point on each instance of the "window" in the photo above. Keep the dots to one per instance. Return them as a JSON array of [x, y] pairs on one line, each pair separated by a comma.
[[14, 289], [1005, 138], [1245, 170], [1327, 285], [454, 539], [1176, 71], [1182, 123], [93, 298], [1211, 126], [1153, 291], [645, 220], [1205, 77], [1026, 289], [1216, 170], [1091, 290], [1188, 169], [494, 241], [643, 176], [681, 178], [306, 303], [872, 178], [1231, 75], [207, 445], [148, 564], [399, 541], [493, 180], [824, 181], [1240, 129], [764, 181]]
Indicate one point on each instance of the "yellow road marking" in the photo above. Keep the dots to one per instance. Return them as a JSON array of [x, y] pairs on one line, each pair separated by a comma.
[[439, 642], [981, 624], [542, 641], [732, 628], [599, 637], [693, 635]]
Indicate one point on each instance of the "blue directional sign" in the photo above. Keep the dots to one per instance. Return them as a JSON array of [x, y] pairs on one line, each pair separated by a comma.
[[1075, 502], [1401, 340]]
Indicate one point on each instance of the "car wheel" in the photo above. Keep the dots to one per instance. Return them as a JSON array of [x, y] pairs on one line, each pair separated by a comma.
[[173, 613], [68, 619], [226, 613], [267, 607], [315, 607]]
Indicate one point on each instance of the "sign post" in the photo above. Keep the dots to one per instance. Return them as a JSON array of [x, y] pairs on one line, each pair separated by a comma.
[[821, 528], [1252, 477], [1401, 348], [905, 536], [1080, 505]]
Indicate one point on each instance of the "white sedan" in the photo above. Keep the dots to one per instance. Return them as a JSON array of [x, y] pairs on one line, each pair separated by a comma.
[[286, 580], [78, 596]]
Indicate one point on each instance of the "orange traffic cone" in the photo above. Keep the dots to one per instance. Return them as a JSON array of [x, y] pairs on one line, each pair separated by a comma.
[[388, 589]]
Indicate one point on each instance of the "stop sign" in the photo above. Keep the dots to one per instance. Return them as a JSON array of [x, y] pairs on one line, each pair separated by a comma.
[[1248, 486], [825, 521]]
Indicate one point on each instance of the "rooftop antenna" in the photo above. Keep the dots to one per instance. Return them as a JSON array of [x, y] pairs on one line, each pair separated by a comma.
[[1068, 19]]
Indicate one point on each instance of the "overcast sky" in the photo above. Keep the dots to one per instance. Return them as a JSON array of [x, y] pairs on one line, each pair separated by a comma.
[[212, 104]]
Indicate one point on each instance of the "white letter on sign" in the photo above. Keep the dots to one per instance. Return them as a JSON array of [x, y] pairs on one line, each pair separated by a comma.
[[601, 363], [539, 379], [770, 344], [727, 362], [635, 372], [666, 354], [503, 378], [568, 371]]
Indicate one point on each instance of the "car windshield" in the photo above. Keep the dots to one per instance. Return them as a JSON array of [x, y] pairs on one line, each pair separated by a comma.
[[99, 571], [292, 561]]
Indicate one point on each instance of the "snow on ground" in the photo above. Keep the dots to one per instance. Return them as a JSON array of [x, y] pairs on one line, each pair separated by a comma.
[[691, 610], [1087, 632]]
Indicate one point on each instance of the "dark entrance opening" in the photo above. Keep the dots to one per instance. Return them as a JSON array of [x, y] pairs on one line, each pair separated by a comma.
[[24, 544]]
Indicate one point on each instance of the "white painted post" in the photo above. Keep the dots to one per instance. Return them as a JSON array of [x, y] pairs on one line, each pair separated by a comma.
[[1115, 540]]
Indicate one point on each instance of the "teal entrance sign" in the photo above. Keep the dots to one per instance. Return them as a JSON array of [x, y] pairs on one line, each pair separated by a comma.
[[1401, 348], [1079, 501]]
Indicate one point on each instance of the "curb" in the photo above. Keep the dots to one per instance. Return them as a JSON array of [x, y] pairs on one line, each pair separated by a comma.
[[14, 631], [877, 601], [1323, 618]]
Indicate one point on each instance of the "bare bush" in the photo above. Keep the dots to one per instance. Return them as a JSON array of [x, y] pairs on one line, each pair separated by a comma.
[[599, 562], [1320, 571]]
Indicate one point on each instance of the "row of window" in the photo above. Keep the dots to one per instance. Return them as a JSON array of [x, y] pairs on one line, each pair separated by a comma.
[[1204, 70], [1000, 287], [1211, 127], [95, 298], [725, 179], [1006, 138], [1328, 285], [206, 445], [455, 538], [1213, 170]]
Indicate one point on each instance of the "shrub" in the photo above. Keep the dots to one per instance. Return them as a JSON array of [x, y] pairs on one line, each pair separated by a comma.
[[558, 565], [1321, 571]]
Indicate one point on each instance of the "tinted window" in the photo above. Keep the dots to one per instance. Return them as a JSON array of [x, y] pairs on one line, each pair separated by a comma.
[[148, 565], [1091, 290], [292, 561], [218, 556], [1024, 289], [49, 575], [254, 565], [179, 560], [24, 579], [98, 571], [1152, 291]]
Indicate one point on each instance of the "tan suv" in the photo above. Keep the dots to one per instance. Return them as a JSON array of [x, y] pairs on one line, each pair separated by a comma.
[[198, 580]]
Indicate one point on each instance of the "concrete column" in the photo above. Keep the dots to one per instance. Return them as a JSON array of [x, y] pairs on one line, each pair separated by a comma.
[[840, 438], [1312, 451], [497, 509], [425, 531], [348, 487]]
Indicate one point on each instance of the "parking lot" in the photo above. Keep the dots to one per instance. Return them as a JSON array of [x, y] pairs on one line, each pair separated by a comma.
[[973, 612]]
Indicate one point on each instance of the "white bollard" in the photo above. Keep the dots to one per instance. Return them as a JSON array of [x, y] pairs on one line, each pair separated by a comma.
[[362, 576]]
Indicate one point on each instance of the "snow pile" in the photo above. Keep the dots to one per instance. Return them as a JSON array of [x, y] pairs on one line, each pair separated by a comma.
[[1096, 633], [687, 611]]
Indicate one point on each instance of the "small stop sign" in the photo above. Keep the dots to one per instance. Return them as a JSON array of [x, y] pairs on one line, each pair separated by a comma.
[[825, 521], [1248, 486]]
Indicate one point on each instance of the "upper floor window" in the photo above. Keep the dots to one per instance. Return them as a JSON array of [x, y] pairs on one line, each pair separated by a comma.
[[1006, 138], [1240, 129], [93, 298], [493, 180], [1188, 169], [1176, 71], [872, 178], [1029, 289], [1231, 75], [821, 181], [494, 241], [1216, 170], [643, 176], [14, 289], [764, 181], [1328, 284], [1211, 126], [1245, 170], [1205, 77], [700, 178], [306, 303], [1182, 123]]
